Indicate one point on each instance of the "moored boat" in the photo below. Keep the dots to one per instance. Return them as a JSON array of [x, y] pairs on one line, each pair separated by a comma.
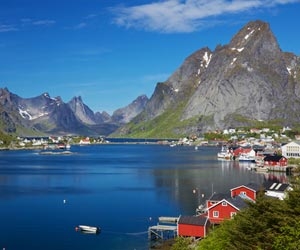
[[224, 153], [246, 157], [88, 229]]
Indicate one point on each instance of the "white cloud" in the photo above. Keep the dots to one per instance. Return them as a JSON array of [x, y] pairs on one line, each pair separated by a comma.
[[43, 22], [7, 28], [173, 16], [91, 16], [80, 25]]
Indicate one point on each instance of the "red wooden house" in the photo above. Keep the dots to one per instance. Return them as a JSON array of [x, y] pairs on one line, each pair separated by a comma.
[[193, 226], [225, 209], [215, 198], [240, 150], [247, 191], [275, 161]]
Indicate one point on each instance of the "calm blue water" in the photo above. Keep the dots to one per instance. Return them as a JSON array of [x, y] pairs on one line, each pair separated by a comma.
[[123, 188]]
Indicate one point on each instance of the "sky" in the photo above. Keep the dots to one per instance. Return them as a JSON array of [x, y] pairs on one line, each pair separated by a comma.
[[109, 52]]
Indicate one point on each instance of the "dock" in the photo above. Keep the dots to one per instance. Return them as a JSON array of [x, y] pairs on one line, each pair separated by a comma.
[[164, 219], [160, 231], [285, 169], [163, 231]]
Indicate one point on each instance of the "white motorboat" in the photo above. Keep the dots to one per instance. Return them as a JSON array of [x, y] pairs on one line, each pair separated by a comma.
[[225, 153], [88, 229], [246, 157]]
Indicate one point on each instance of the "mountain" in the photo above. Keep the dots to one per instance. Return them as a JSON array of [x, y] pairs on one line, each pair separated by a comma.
[[247, 81], [126, 114], [44, 115], [85, 114]]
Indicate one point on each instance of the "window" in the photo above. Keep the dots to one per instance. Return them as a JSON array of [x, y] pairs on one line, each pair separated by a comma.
[[216, 214], [243, 193], [232, 214], [224, 203]]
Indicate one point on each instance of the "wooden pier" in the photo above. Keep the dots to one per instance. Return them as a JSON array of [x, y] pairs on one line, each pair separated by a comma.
[[160, 231], [285, 169], [163, 231], [164, 219]]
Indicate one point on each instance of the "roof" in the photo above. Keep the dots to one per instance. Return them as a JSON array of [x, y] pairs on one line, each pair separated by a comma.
[[241, 150], [219, 196], [293, 143], [193, 220], [276, 186], [236, 202], [253, 186], [275, 158]]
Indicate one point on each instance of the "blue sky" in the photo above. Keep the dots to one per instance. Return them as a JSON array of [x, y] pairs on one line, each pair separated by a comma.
[[111, 51]]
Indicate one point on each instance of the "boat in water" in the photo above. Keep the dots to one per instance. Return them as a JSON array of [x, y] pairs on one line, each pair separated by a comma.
[[55, 152], [225, 153], [88, 229], [246, 157]]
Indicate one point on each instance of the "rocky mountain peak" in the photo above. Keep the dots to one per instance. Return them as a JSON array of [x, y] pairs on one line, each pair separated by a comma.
[[81, 111], [255, 33], [248, 72], [126, 114], [4, 96], [46, 95]]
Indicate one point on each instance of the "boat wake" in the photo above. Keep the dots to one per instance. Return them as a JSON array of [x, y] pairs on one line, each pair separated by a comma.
[[124, 233], [138, 233]]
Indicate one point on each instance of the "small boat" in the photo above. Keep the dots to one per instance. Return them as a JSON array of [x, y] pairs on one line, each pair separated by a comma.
[[224, 153], [246, 157], [88, 229]]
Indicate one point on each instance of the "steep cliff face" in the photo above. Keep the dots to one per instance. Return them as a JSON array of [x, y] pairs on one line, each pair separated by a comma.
[[9, 112], [81, 111], [180, 85], [250, 77]]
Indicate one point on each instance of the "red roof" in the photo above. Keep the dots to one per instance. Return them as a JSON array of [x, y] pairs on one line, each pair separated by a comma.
[[241, 150]]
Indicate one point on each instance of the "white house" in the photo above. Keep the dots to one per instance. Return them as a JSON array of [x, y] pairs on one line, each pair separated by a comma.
[[277, 190], [291, 150], [85, 141]]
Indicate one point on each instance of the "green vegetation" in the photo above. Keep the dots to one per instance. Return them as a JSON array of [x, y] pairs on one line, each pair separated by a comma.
[[167, 125], [170, 125], [213, 136], [294, 161], [182, 244], [5, 139], [274, 125], [27, 131]]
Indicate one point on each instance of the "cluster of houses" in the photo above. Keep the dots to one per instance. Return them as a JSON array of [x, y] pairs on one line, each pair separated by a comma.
[[276, 160], [56, 142], [220, 207]]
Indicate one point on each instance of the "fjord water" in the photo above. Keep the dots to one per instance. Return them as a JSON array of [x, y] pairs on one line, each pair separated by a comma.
[[123, 188]]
